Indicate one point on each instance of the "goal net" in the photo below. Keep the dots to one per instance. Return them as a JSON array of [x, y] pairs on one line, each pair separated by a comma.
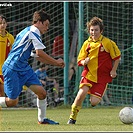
[[117, 17]]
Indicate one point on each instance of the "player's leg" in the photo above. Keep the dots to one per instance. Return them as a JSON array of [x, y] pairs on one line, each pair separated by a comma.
[[11, 102], [11, 88], [39, 91], [96, 93], [41, 104], [34, 84], [7, 102], [77, 104], [94, 100]]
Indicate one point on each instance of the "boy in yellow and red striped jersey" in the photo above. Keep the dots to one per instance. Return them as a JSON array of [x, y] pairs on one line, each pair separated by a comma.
[[6, 41], [100, 57]]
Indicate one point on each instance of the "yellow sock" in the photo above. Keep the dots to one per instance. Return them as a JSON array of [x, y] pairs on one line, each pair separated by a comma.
[[74, 111]]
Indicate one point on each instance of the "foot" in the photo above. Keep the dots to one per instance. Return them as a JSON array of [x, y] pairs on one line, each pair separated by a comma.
[[71, 121], [48, 121]]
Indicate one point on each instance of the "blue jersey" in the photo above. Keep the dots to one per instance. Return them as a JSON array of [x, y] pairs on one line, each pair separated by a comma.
[[27, 40], [41, 75]]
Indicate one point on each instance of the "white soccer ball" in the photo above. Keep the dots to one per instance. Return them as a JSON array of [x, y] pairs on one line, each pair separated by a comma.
[[126, 115]]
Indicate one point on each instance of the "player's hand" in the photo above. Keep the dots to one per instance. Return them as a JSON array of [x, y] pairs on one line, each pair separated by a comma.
[[60, 62], [85, 61], [113, 74]]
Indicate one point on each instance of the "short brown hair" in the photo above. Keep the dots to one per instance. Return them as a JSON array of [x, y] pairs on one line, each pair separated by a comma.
[[3, 17], [40, 15], [95, 21]]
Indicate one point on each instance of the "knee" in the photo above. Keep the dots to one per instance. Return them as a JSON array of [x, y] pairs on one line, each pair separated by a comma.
[[42, 95], [94, 101], [11, 102]]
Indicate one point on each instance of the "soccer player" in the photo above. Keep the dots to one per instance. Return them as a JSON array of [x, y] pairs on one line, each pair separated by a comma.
[[6, 41], [16, 70], [100, 57]]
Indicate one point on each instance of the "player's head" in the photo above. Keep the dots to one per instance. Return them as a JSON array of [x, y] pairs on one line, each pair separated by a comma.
[[40, 15], [95, 27], [95, 21], [3, 22], [41, 20], [3, 17]]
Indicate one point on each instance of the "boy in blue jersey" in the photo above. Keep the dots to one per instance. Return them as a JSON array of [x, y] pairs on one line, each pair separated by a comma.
[[16, 70]]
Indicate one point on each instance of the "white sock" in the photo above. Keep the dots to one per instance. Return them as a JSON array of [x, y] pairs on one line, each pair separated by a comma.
[[2, 102], [42, 106]]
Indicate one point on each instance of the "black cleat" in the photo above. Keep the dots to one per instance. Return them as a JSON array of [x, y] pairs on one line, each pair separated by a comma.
[[71, 121]]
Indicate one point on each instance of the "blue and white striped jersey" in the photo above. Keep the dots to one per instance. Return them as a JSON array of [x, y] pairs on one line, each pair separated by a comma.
[[27, 40]]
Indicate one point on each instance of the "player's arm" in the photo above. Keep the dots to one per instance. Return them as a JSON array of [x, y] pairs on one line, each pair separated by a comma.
[[83, 58], [45, 58], [115, 55], [113, 73]]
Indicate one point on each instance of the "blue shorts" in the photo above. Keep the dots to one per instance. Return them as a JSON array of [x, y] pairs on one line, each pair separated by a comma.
[[14, 81]]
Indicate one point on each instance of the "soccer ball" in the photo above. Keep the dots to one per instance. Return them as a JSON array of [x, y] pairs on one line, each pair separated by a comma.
[[126, 115]]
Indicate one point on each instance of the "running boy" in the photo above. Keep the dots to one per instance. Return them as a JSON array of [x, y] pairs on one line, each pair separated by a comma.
[[100, 57], [16, 70]]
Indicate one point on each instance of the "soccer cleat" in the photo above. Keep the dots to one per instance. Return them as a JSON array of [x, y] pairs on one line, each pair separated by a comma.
[[48, 121], [71, 121]]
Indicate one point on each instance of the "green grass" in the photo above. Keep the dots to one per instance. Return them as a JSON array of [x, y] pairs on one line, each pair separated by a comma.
[[89, 119]]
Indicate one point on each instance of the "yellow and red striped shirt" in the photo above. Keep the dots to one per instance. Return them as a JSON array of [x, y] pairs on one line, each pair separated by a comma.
[[5, 47], [101, 53]]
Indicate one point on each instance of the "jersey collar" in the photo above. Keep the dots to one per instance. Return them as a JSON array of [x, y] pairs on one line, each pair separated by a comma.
[[99, 39], [6, 35]]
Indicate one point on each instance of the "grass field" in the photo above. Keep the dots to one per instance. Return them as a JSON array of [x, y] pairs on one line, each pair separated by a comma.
[[89, 119]]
